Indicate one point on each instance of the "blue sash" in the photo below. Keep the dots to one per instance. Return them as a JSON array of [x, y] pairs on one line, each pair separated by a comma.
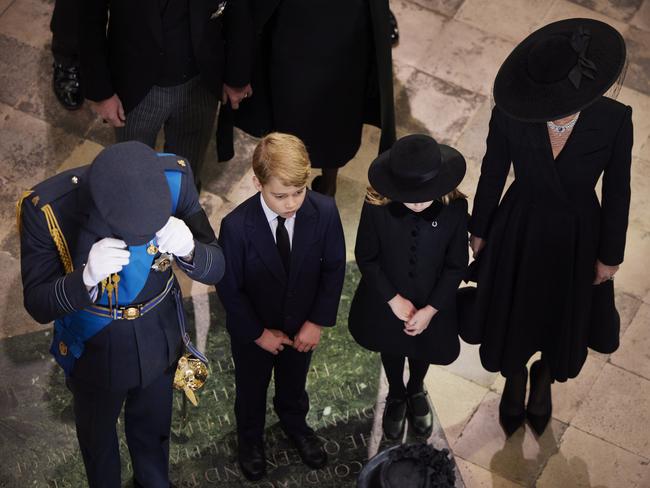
[[73, 330]]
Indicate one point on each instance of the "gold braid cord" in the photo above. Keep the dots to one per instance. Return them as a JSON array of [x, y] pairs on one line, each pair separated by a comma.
[[58, 238], [54, 228], [19, 210]]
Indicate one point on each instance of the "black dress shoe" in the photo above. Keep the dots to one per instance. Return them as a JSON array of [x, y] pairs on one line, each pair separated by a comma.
[[394, 418], [310, 449], [540, 407], [252, 460], [394, 29], [512, 412], [420, 414], [66, 85]]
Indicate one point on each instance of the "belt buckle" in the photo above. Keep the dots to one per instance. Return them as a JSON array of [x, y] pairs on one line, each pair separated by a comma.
[[131, 313]]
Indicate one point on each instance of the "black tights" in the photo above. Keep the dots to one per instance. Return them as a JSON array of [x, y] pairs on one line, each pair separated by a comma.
[[394, 367]]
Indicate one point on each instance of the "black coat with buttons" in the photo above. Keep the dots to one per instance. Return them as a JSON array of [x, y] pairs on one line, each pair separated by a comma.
[[423, 257]]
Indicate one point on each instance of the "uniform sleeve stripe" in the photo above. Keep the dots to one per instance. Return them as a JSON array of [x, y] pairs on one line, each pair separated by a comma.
[[65, 295], [57, 291]]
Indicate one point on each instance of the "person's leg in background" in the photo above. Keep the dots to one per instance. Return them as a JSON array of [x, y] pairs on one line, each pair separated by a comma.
[[144, 122], [190, 126], [66, 82]]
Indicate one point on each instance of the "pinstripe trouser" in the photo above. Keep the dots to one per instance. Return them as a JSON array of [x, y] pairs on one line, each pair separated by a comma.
[[186, 112]]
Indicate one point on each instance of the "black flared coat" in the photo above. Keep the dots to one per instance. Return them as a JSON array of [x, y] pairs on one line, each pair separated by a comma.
[[535, 275], [322, 68], [423, 258]]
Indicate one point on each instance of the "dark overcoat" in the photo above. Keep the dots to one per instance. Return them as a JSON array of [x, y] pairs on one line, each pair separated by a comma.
[[122, 49], [256, 291], [421, 256], [322, 68], [536, 272]]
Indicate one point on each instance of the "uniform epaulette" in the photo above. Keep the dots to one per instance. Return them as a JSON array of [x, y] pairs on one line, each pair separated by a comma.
[[57, 186], [42, 195], [173, 162]]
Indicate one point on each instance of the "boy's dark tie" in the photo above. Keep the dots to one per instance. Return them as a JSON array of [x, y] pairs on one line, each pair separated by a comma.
[[282, 241]]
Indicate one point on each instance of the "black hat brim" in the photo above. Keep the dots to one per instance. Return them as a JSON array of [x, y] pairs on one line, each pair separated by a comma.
[[451, 173], [522, 98], [369, 476]]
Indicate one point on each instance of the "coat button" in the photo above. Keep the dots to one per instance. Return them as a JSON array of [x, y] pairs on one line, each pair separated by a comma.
[[413, 260], [413, 248], [414, 233], [411, 274]]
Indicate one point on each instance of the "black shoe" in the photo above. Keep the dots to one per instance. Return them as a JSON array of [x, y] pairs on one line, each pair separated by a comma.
[[512, 412], [540, 407], [394, 418], [394, 29], [252, 460], [420, 414], [66, 85], [310, 448]]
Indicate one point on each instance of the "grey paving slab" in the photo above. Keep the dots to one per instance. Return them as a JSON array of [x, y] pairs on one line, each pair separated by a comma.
[[18, 69], [638, 55], [28, 21], [505, 18], [431, 105], [447, 8], [616, 9], [641, 18], [467, 56]]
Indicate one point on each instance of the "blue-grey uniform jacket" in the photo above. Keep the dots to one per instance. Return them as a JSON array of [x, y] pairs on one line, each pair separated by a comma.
[[125, 353]]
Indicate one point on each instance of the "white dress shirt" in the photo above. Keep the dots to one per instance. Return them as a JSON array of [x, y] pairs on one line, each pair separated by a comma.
[[272, 219]]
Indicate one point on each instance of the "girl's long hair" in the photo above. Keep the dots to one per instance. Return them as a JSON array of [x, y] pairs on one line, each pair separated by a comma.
[[373, 197]]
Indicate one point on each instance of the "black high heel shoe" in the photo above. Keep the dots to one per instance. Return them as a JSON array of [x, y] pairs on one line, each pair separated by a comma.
[[512, 412], [540, 407]]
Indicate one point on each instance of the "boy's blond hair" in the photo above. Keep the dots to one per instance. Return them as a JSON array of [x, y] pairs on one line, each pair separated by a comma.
[[283, 156]]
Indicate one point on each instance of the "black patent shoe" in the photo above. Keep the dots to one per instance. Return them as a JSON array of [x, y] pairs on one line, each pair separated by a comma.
[[512, 411], [394, 29], [252, 460], [540, 407], [310, 449], [394, 418], [66, 86], [420, 414]]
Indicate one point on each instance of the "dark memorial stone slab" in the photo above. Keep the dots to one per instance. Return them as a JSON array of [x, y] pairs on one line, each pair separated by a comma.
[[38, 446]]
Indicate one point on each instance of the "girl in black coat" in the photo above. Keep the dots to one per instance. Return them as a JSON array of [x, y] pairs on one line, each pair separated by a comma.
[[412, 257], [549, 250]]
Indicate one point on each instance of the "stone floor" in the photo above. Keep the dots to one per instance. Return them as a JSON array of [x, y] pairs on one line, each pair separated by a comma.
[[445, 63]]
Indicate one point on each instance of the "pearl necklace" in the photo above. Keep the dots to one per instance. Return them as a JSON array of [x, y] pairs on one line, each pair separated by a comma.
[[562, 128]]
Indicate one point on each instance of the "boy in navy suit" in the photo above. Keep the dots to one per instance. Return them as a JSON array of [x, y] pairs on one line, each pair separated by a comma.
[[285, 264]]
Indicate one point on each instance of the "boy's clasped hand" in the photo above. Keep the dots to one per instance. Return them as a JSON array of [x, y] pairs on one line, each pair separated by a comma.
[[306, 340]]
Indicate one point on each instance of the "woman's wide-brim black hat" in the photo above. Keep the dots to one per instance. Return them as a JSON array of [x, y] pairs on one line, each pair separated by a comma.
[[417, 169], [559, 70]]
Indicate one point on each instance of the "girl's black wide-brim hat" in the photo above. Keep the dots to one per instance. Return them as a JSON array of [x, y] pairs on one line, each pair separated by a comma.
[[417, 169], [559, 70]]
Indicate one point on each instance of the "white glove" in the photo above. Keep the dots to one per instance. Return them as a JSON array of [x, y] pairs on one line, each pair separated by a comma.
[[175, 238], [106, 257]]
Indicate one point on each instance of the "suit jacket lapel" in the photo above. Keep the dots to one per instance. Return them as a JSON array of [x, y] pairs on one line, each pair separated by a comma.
[[303, 232], [263, 241]]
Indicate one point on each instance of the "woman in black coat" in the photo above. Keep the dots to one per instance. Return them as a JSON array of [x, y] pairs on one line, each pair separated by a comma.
[[548, 251], [412, 257], [322, 68]]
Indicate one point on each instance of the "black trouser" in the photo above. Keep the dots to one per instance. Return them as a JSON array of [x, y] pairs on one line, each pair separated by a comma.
[[253, 369], [65, 31], [147, 416], [394, 367]]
